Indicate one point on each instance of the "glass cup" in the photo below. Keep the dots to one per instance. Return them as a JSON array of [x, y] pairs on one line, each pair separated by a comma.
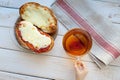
[[77, 42]]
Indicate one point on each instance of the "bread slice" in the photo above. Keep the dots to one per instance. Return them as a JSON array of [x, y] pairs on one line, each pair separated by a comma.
[[40, 16], [32, 38]]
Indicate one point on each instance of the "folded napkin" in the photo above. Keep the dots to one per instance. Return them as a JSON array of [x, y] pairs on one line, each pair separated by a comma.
[[78, 13]]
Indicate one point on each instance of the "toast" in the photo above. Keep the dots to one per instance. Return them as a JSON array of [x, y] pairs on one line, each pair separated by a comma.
[[30, 37], [40, 16]]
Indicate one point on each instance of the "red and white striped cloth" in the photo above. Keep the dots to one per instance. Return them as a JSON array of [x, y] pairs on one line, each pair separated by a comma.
[[77, 13]]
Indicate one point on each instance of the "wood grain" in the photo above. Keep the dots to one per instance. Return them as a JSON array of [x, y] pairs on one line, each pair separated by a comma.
[[20, 63]]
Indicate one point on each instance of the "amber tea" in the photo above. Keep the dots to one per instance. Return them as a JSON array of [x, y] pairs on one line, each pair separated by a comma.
[[77, 42]]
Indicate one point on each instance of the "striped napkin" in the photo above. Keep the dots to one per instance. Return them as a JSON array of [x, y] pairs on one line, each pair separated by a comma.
[[78, 13]]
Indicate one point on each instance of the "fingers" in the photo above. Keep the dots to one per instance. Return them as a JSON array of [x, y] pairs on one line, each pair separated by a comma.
[[81, 70], [79, 65]]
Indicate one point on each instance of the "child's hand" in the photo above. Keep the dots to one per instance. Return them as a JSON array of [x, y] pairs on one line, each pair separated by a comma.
[[81, 70]]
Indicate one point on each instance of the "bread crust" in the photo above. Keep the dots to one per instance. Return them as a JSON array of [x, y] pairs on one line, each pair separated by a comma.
[[29, 46], [52, 28]]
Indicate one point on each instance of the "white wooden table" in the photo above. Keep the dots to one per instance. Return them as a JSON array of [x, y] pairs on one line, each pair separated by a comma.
[[19, 64]]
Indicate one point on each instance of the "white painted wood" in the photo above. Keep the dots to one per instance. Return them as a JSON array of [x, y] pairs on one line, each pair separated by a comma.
[[54, 64], [38, 65], [8, 16], [18, 3], [109, 1], [11, 76], [51, 67]]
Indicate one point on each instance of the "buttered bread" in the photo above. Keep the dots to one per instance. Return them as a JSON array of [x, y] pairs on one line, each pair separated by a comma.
[[31, 38], [40, 16], [36, 27]]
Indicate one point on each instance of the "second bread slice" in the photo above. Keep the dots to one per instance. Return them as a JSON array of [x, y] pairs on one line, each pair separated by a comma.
[[40, 16]]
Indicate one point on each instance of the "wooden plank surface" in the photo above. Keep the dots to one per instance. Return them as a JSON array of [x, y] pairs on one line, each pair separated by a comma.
[[13, 76], [51, 66], [17, 4], [20, 63]]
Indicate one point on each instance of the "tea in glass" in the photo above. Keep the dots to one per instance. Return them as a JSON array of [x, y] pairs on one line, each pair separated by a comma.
[[77, 42]]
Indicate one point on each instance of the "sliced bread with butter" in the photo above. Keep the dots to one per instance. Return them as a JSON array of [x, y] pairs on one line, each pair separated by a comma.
[[30, 37], [40, 16]]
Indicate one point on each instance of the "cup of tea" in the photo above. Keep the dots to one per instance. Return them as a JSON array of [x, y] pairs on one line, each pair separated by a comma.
[[77, 42]]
